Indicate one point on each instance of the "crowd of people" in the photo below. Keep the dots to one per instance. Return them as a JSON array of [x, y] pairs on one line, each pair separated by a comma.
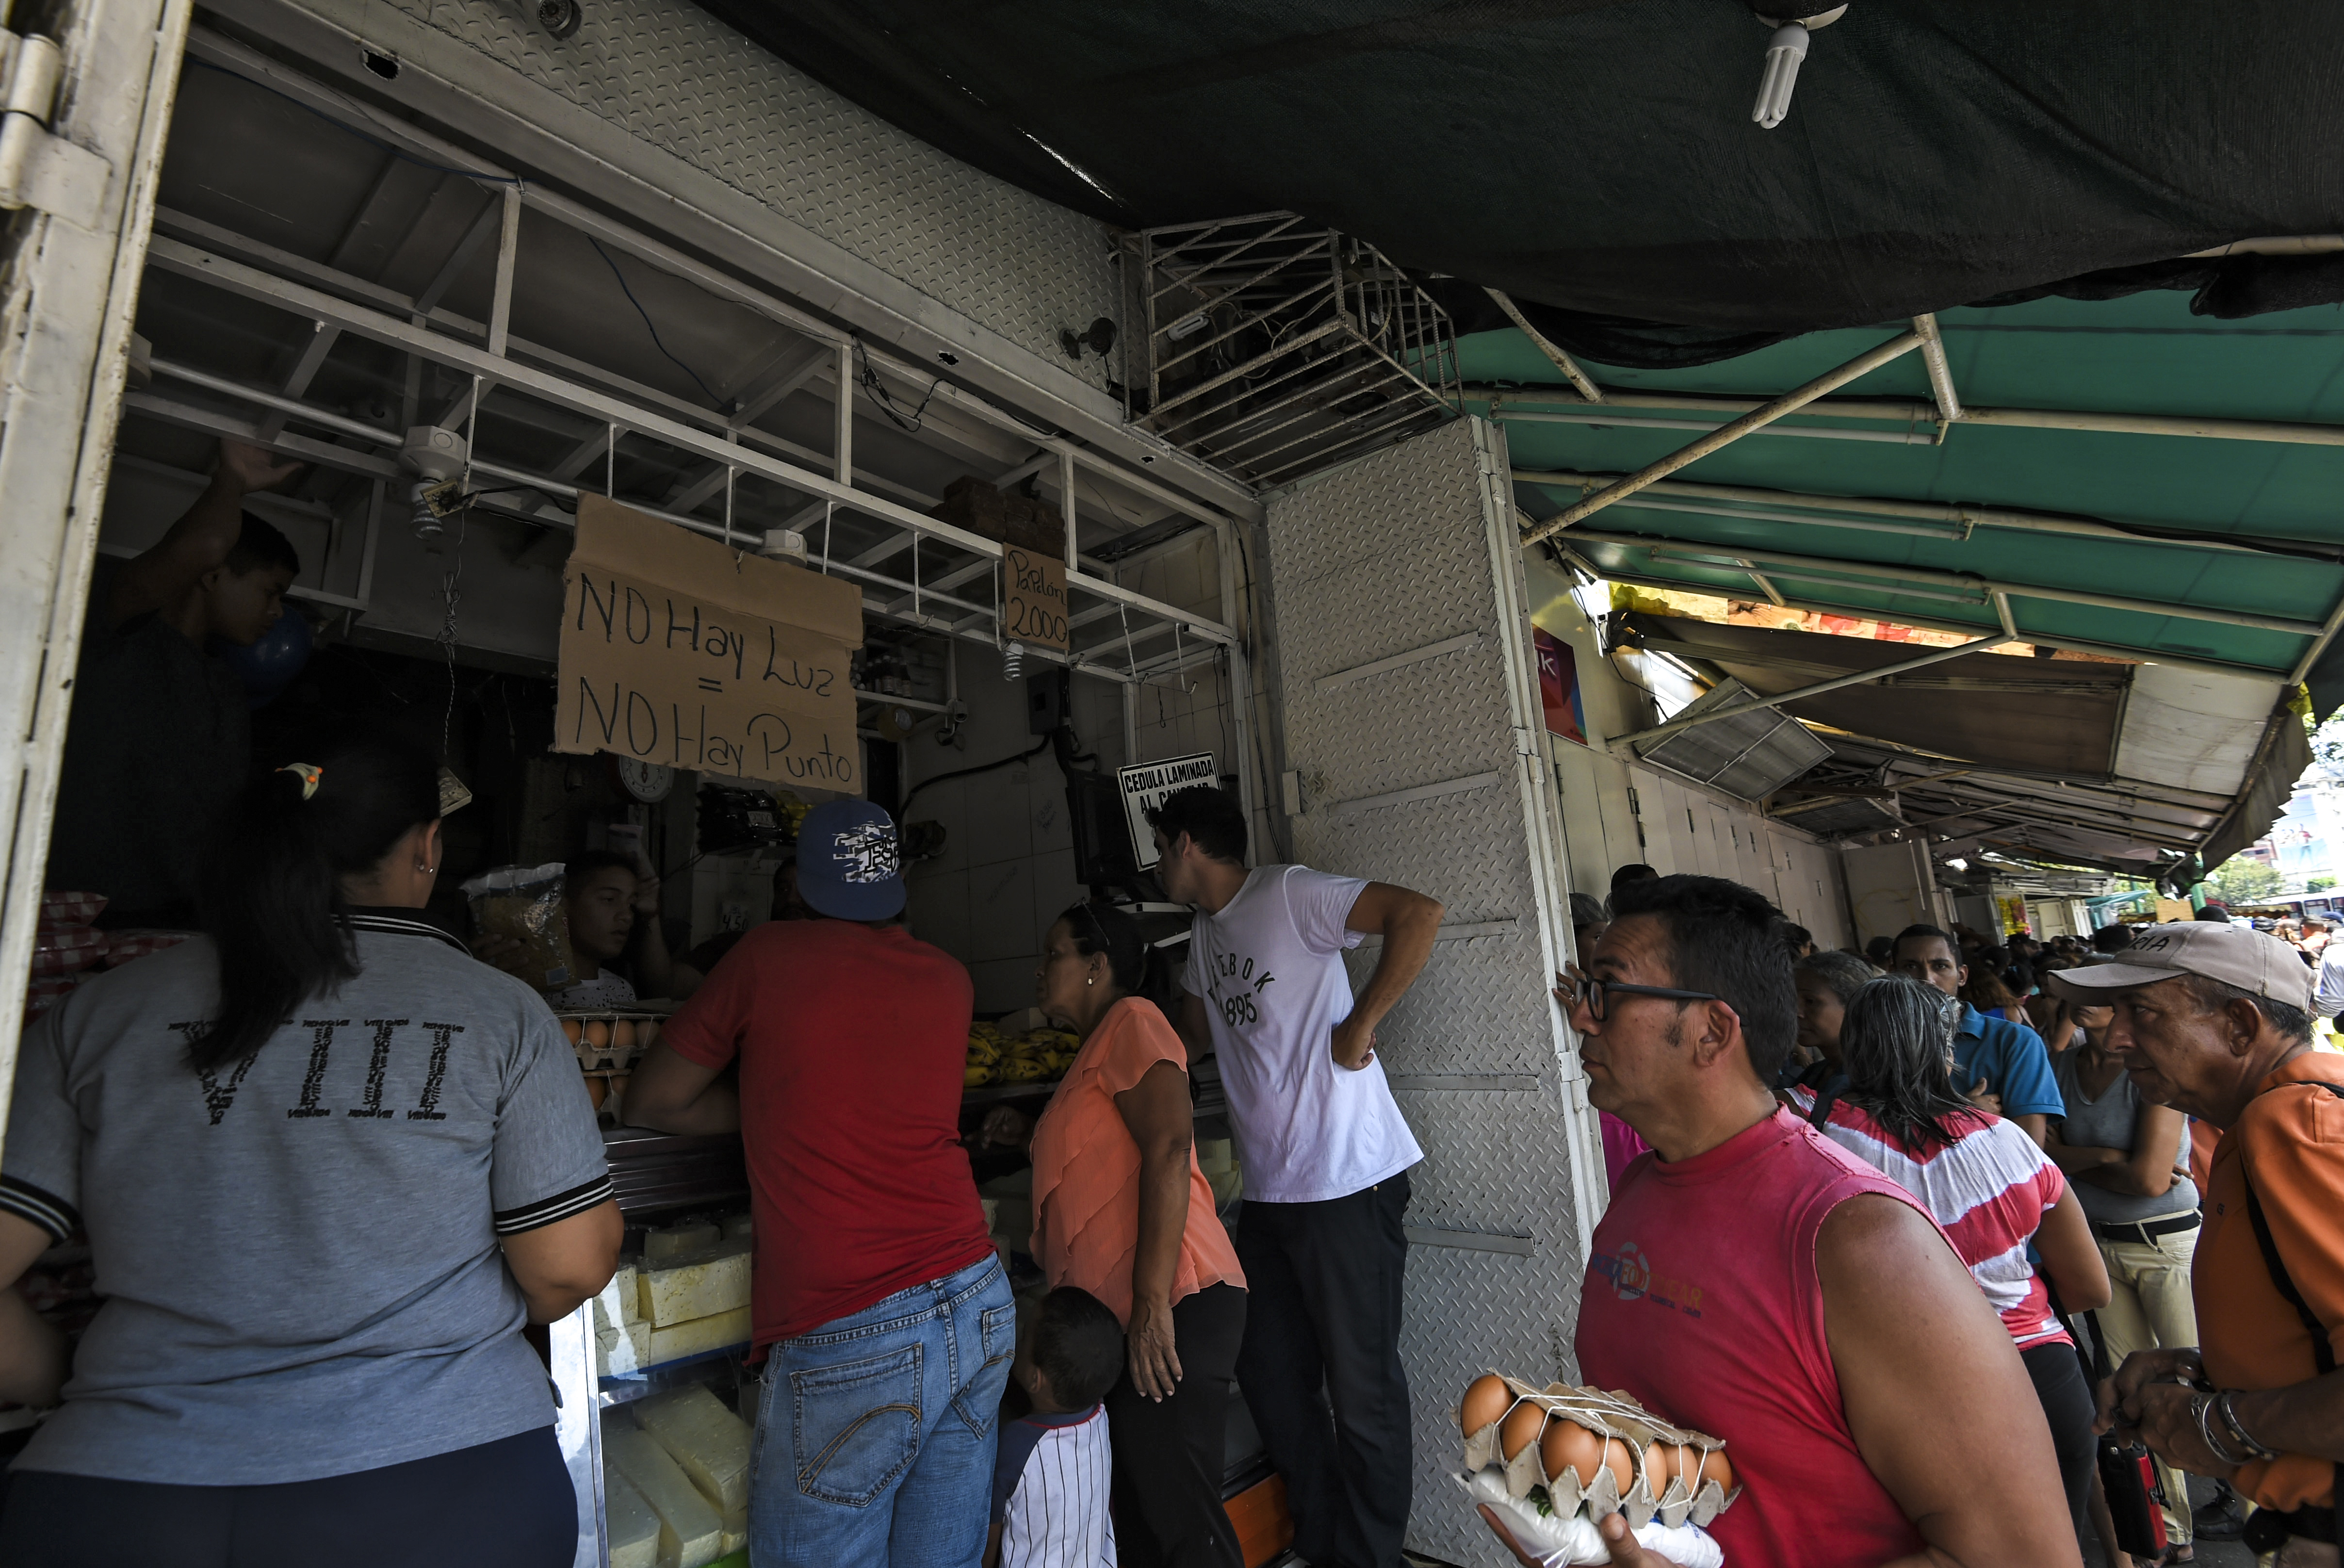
[[1898, 1195]]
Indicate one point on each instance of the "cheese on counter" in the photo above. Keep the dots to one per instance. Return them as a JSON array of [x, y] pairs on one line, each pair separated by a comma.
[[634, 1528], [708, 1441], [700, 1288], [698, 1336], [736, 1227], [665, 1246], [691, 1533], [736, 1532]]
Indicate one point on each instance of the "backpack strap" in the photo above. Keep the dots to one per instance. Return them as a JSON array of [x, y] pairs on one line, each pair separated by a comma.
[[2323, 1353], [1826, 1098], [2316, 1523]]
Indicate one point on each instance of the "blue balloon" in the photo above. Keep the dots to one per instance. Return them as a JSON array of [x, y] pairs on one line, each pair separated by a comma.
[[269, 666]]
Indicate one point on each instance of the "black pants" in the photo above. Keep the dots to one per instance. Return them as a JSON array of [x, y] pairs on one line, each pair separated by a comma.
[[2067, 1399], [502, 1505], [1322, 1328], [1169, 1457]]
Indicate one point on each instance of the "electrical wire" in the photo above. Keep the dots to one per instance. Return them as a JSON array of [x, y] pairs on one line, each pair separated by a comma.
[[648, 324], [370, 138], [885, 400], [1039, 747]]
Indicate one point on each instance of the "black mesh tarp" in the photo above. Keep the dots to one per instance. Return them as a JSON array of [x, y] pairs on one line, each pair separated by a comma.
[[1597, 156]]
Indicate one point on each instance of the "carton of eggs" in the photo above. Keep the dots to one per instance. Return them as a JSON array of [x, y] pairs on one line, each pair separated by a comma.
[[1582, 1445]]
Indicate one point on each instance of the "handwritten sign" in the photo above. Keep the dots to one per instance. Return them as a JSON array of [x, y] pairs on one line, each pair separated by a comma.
[[1143, 787], [678, 650], [1034, 612]]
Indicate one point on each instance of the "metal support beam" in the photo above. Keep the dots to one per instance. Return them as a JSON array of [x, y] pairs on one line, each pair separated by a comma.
[[1789, 402], [2327, 630], [1907, 409], [586, 399], [508, 256], [1941, 375], [1861, 677], [1888, 579], [1955, 521], [1552, 350], [1626, 421], [1797, 600]]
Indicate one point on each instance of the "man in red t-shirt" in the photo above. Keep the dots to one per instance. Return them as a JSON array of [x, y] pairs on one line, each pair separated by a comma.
[[885, 1319], [1755, 1281]]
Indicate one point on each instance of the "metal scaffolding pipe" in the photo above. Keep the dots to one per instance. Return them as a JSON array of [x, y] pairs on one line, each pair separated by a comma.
[[1889, 577], [1960, 517], [2285, 431], [1861, 677], [1552, 350], [1941, 374], [1789, 402], [1809, 433]]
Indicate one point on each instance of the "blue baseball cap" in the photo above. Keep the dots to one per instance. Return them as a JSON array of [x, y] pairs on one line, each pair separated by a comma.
[[849, 866]]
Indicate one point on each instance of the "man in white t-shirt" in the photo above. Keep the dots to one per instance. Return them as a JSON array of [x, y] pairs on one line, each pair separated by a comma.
[[1326, 1154]]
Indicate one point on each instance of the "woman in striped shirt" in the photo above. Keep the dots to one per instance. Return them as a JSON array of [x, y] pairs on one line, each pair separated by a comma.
[[1985, 1182]]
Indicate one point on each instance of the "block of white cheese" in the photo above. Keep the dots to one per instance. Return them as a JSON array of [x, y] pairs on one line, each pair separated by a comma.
[[610, 1360], [708, 1441], [698, 1337], [665, 1246], [697, 1288], [691, 1533], [736, 1532], [736, 1227], [634, 1528]]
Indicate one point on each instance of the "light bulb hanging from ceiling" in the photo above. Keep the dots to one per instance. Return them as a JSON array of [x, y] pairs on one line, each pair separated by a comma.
[[1784, 52]]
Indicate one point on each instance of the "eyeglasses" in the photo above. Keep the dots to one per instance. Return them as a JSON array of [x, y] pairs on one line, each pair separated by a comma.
[[1593, 991]]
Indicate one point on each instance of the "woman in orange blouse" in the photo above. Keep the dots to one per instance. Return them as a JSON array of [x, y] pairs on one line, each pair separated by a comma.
[[1121, 1210]]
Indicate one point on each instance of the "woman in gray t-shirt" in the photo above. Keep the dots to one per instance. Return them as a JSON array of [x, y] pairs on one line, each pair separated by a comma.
[[330, 1165], [2123, 1156]]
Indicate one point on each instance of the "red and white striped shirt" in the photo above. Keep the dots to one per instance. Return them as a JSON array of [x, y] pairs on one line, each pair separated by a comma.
[[1990, 1188]]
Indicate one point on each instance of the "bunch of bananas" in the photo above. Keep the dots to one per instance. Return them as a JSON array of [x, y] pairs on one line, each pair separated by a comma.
[[1035, 1057]]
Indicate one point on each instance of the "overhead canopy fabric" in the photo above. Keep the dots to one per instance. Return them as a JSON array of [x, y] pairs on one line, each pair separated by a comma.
[[2052, 717], [1599, 155]]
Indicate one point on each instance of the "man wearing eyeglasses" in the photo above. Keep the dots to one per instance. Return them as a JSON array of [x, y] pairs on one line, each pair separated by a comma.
[[1753, 1281]]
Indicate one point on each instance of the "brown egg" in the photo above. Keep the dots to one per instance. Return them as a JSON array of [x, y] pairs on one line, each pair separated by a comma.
[[1713, 1466], [597, 1091], [1666, 1463], [1571, 1446], [1520, 1427], [570, 1026], [598, 1034], [1485, 1400], [623, 1034], [618, 1094], [1621, 1460]]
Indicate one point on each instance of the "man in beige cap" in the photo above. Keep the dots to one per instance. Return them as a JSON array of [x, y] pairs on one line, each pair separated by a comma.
[[2215, 1021]]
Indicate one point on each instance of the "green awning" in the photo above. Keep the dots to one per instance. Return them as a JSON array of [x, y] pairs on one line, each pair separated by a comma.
[[2216, 562]]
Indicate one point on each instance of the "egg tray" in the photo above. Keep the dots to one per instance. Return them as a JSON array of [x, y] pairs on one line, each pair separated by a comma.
[[607, 1057], [1612, 1415]]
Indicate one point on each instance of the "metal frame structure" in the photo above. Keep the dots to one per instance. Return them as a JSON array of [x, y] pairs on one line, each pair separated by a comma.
[[862, 520], [1276, 348]]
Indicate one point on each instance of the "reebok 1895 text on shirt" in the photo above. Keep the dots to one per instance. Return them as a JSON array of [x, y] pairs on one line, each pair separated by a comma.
[[1269, 967]]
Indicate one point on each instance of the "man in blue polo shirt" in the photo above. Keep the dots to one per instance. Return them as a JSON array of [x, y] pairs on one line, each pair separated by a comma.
[[2002, 1066]]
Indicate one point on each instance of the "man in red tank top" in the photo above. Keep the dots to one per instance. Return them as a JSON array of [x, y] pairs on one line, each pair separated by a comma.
[[1753, 1281]]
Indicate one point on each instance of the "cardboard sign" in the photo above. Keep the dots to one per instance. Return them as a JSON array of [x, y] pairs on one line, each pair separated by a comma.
[[1033, 590], [676, 649], [1143, 787]]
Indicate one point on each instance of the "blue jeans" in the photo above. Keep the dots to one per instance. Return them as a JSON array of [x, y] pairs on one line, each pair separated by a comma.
[[875, 1433]]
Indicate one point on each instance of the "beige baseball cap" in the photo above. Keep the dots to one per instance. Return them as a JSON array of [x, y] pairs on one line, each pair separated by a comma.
[[2253, 961]]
